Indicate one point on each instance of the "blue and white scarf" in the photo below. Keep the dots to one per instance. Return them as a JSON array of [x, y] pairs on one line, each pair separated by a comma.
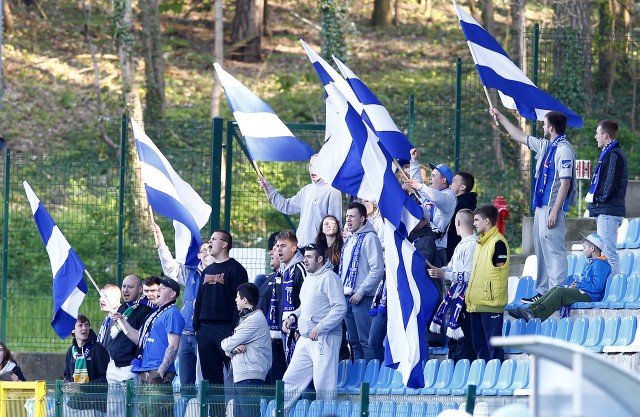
[[541, 179], [454, 300], [287, 290], [596, 174], [349, 281], [273, 317], [379, 304]]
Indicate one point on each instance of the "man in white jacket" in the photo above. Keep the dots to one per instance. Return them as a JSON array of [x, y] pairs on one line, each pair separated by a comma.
[[314, 201], [319, 319]]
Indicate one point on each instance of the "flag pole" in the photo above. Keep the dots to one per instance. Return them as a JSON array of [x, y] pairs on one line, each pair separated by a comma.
[[257, 168], [406, 177], [113, 310], [155, 235], [486, 93]]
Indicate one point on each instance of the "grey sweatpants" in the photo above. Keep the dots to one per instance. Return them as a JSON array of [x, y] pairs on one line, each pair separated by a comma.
[[550, 250]]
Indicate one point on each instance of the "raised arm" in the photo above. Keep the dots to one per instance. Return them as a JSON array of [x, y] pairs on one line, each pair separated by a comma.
[[516, 133]]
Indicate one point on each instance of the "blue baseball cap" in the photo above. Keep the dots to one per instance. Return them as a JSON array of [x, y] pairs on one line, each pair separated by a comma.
[[444, 170]]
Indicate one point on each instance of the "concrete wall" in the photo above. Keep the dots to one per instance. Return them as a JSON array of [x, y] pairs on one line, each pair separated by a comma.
[[41, 365]]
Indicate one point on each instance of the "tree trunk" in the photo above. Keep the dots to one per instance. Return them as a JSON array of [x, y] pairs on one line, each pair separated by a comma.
[[247, 30], [218, 56], [381, 16], [517, 9], [154, 61], [334, 14], [486, 12], [123, 38], [612, 51], [7, 17]]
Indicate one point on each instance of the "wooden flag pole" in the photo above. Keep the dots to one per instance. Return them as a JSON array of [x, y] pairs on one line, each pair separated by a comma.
[[257, 168], [113, 310], [406, 177], [155, 235], [486, 93]]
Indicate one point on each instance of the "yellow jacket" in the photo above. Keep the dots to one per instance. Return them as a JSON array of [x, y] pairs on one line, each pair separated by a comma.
[[488, 285]]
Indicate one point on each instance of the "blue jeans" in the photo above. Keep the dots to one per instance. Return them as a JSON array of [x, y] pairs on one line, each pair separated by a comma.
[[246, 398], [187, 355], [607, 227], [377, 335], [483, 327], [358, 323]]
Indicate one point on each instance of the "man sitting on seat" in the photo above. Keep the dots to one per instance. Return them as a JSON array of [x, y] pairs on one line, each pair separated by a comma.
[[589, 288]]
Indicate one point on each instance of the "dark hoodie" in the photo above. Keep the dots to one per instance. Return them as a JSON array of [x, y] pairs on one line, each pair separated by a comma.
[[89, 396], [465, 201]]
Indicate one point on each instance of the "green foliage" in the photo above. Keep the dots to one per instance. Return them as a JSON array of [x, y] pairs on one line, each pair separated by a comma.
[[567, 84], [172, 6], [334, 29]]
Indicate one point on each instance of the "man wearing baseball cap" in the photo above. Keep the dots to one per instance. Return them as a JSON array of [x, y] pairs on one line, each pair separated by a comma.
[[589, 288], [439, 198]]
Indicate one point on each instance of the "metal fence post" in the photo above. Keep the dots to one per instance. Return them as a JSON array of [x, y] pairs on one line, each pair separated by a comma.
[[216, 173], [456, 162], [412, 116], [202, 396], [5, 244], [123, 162], [532, 168], [279, 399], [364, 399], [59, 397], [227, 192], [129, 395]]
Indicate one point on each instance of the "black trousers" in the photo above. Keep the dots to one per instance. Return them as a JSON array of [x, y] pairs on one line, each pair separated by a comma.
[[212, 357]]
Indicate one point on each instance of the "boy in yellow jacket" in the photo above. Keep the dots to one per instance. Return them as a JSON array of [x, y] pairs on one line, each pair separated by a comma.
[[487, 292]]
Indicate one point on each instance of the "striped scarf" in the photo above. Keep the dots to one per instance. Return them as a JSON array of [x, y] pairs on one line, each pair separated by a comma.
[[541, 179], [349, 281], [454, 300], [596, 174]]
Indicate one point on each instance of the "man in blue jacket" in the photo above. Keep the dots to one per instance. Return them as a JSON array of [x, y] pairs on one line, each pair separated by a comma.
[[590, 287]]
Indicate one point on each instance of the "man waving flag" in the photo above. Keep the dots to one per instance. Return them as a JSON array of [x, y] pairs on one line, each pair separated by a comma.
[[497, 71], [69, 286]]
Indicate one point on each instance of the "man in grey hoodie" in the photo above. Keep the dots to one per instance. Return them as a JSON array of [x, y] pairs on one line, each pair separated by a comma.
[[319, 319], [361, 270]]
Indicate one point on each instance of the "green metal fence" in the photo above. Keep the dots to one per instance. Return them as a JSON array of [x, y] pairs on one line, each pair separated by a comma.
[[97, 200]]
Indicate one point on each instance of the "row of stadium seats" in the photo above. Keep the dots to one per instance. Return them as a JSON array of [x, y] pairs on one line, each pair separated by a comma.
[[441, 377], [319, 408], [629, 234], [613, 335]]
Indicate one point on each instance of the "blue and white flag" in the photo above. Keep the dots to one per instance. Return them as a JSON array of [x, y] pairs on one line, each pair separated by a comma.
[[172, 197], [266, 136], [69, 286], [411, 300], [353, 161], [377, 116], [497, 71]]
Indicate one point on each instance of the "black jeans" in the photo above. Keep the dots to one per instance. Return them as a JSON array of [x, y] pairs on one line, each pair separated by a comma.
[[212, 357]]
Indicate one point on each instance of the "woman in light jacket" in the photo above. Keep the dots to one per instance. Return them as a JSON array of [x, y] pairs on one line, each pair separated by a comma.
[[249, 348]]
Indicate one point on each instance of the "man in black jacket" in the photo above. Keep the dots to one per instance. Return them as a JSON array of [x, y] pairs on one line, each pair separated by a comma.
[[608, 190], [462, 187]]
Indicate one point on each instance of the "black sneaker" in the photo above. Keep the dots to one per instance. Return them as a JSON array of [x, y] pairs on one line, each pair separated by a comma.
[[532, 299], [521, 313]]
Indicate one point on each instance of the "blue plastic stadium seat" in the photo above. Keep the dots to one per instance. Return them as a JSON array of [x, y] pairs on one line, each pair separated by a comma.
[[388, 409], [525, 284], [507, 372], [343, 372], [418, 409], [630, 294], [374, 408], [633, 289], [354, 376], [344, 409], [403, 409], [579, 331], [589, 304], [445, 374], [520, 378], [269, 409], [433, 409], [581, 260], [506, 325], [451, 406], [355, 409], [430, 373], [316, 408], [384, 379], [633, 235], [490, 377], [616, 292], [301, 408], [565, 326], [330, 408], [626, 263], [531, 328], [476, 372], [459, 379], [627, 332], [609, 335], [395, 384], [595, 331], [517, 328], [548, 327], [572, 258]]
